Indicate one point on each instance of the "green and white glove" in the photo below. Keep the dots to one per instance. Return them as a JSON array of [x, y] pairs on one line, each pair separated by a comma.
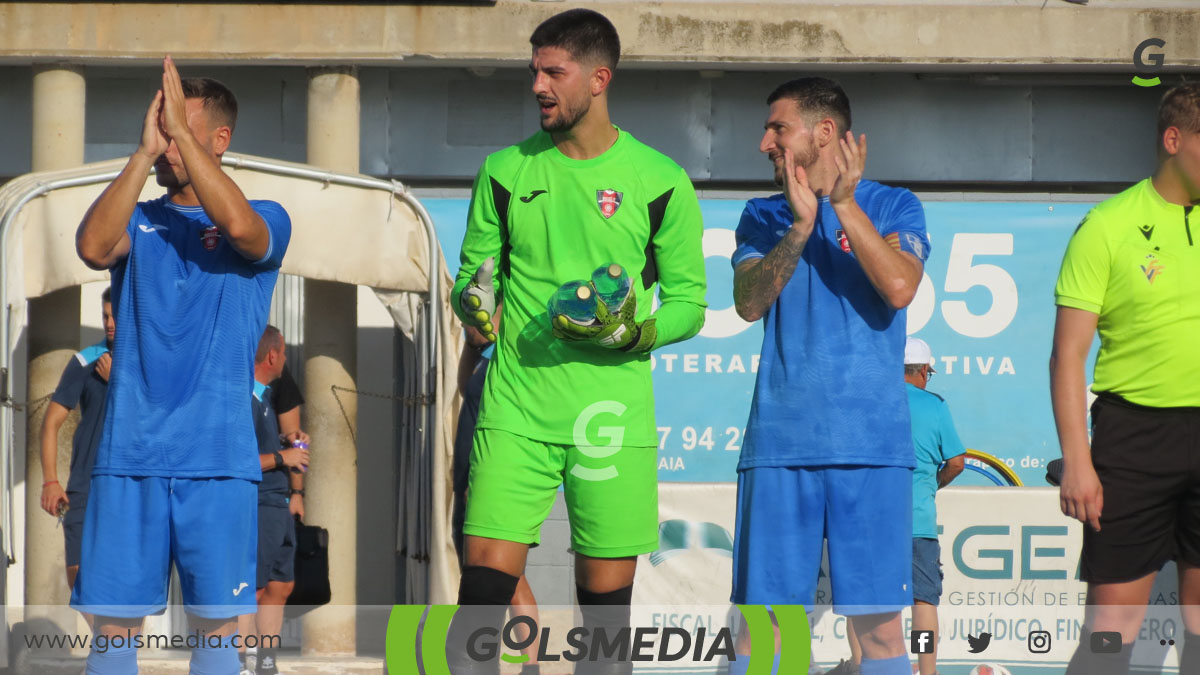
[[478, 300], [614, 331]]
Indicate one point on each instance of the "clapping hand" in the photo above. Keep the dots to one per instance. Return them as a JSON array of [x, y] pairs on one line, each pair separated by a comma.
[[850, 163], [800, 195]]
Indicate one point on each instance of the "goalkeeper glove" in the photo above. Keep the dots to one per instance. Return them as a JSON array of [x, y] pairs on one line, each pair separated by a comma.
[[478, 300], [617, 329]]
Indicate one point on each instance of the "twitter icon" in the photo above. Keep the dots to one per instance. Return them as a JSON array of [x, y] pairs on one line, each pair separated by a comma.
[[978, 644]]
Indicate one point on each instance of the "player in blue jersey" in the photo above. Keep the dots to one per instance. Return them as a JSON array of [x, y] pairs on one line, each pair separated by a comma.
[[829, 265], [84, 383], [176, 471]]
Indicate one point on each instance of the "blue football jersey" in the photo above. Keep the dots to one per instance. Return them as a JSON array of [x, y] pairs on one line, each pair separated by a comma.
[[81, 386], [830, 386], [190, 311]]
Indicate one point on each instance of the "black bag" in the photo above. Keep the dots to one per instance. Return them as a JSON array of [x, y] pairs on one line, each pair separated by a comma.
[[312, 570]]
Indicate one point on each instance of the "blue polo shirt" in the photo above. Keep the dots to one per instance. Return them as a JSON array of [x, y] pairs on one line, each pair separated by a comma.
[[81, 386], [934, 441], [274, 488], [830, 386], [191, 310]]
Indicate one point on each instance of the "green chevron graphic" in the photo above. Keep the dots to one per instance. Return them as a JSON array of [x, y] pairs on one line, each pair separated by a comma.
[[794, 638], [400, 649], [433, 639], [796, 643]]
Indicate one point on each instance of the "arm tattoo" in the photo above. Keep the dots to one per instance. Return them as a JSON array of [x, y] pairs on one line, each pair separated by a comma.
[[757, 287]]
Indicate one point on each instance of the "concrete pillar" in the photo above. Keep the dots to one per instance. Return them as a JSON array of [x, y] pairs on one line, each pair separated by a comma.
[[330, 335], [53, 337]]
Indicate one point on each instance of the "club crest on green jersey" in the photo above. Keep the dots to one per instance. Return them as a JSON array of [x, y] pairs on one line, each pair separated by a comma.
[[608, 201]]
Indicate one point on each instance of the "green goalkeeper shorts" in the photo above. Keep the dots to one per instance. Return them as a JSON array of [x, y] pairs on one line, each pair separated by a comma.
[[612, 496]]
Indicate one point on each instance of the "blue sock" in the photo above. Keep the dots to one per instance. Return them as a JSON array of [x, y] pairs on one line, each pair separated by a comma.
[[897, 665], [113, 660], [208, 660]]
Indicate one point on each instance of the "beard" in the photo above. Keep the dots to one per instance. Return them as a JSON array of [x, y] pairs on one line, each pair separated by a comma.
[[805, 158], [566, 118], [169, 177]]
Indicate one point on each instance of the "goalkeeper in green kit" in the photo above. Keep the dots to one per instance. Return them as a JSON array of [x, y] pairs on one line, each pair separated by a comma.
[[583, 208]]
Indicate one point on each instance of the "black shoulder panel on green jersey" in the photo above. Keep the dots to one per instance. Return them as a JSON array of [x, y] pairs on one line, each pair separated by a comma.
[[500, 198], [1080, 225], [657, 210]]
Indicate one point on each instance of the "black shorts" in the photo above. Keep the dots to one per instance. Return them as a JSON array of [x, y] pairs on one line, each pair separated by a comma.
[[276, 545], [1148, 461], [72, 525]]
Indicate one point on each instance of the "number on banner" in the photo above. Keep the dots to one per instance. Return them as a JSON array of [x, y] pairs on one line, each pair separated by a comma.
[[962, 276], [733, 445], [689, 438]]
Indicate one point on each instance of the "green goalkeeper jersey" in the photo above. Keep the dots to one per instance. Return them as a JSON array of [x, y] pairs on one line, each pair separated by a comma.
[[548, 219]]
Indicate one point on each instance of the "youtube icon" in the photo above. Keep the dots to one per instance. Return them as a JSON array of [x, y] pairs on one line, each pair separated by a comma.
[[1106, 642]]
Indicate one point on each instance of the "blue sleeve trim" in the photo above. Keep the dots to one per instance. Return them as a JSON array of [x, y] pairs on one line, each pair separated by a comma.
[[270, 246], [748, 255], [279, 226]]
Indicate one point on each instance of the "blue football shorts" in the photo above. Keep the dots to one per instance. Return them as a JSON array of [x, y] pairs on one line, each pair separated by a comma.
[[786, 514], [136, 526]]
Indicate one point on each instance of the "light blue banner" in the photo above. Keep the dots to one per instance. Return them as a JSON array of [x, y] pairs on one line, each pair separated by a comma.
[[986, 307]]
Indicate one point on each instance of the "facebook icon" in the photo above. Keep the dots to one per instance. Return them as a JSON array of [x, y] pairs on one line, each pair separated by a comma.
[[922, 641]]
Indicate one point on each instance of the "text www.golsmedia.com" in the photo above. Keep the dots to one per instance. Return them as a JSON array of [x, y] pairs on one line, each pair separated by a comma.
[[102, 643]]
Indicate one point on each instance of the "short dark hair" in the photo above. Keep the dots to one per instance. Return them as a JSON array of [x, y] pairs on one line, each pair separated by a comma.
[[106, 296], [1180, 107], [587, 35], [219, 101], [913, 368], [271, 340], [816, 96]]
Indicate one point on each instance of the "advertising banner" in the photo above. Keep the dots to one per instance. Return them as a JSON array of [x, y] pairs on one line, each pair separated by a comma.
[[985, 306]]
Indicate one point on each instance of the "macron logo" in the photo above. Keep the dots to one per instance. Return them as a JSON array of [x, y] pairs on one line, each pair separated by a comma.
[[238, 590], [151, 228]]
